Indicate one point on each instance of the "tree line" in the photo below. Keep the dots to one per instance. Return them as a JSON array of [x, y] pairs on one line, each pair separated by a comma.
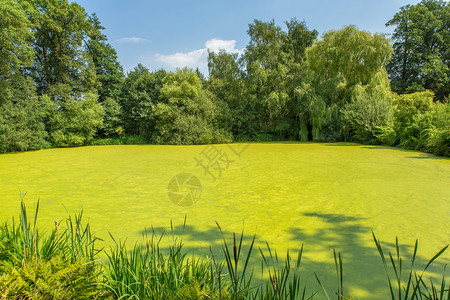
[[62, 85]]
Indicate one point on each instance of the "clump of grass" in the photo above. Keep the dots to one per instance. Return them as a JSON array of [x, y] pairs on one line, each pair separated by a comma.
[[414, 287], [149, 272], [284, 282], [239, 274], [406, 284], [26, 243], [338, 263], [57, 265]]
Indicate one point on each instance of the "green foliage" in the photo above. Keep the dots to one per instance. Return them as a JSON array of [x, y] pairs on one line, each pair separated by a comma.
[[195, 292], [55, 47], [74, 122], [148, 272], [58, 265], [59, 29], [370, 112], [139, 95], [422, 124], [61, 84], [263, 137], [104, 59], [111, 119], [342, 65], [240, 273], [438, 132], [275, 65], [109, 75], [414, 287], [21, 125], [283, 282], [421, 48], [186, 113], [410, 112], [25, 243], [15, 51], [52, 279], [126, 140], [349, 54], [226, 83]]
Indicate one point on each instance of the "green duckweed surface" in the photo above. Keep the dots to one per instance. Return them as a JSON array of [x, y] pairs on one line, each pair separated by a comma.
[[322, 195]]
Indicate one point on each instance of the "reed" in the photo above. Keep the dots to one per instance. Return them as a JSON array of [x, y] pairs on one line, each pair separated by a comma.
[[147, 271], [410, 284], [283, 282], [239, 274], [64, 263]]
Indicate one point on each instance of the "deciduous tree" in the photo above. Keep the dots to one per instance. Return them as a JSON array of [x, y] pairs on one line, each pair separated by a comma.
[[421, 57]]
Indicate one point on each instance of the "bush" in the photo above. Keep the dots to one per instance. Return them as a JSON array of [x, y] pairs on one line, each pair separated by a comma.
[[21, 126], [74, 122], [52, 279], [57, 265], [422, 124], [369, 114], [186, 113], [221, 136], [409, 114], [437, 133]]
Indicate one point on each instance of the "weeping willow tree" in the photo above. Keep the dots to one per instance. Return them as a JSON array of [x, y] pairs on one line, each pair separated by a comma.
[[346, 71]]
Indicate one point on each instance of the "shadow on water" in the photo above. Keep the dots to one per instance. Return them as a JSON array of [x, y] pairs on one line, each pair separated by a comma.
[[342, 144], [196, 241], [362, 266], [419, 154], [364, 275], [428, 156]]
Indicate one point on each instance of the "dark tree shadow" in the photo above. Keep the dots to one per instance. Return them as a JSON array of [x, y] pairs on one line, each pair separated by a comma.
[[363, 270]]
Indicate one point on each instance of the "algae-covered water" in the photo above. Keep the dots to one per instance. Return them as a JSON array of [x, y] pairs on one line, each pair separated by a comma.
[[322, 195]]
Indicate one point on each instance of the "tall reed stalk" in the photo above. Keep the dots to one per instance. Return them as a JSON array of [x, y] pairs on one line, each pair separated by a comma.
[[414, 287]]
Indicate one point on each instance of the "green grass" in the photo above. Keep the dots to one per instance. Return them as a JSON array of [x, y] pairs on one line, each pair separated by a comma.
[[324, 196]]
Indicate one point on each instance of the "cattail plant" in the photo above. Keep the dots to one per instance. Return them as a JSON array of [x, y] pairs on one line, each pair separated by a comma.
[[415, 287]]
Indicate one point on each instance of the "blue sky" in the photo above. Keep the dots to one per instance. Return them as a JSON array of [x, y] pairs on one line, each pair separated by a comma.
[[175, 33]]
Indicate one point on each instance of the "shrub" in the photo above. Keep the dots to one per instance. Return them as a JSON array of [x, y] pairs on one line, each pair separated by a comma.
[[58, 265], [221, 136], [21, 126], [74, 122], [437, 134], [409, 116], [369, 114], [422, 124], [52, 279], [186, 113]]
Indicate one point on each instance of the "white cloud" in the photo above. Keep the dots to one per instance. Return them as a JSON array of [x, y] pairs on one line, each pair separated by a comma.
[[131, 40], [216, 45], [190, 59], [197, 58]]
